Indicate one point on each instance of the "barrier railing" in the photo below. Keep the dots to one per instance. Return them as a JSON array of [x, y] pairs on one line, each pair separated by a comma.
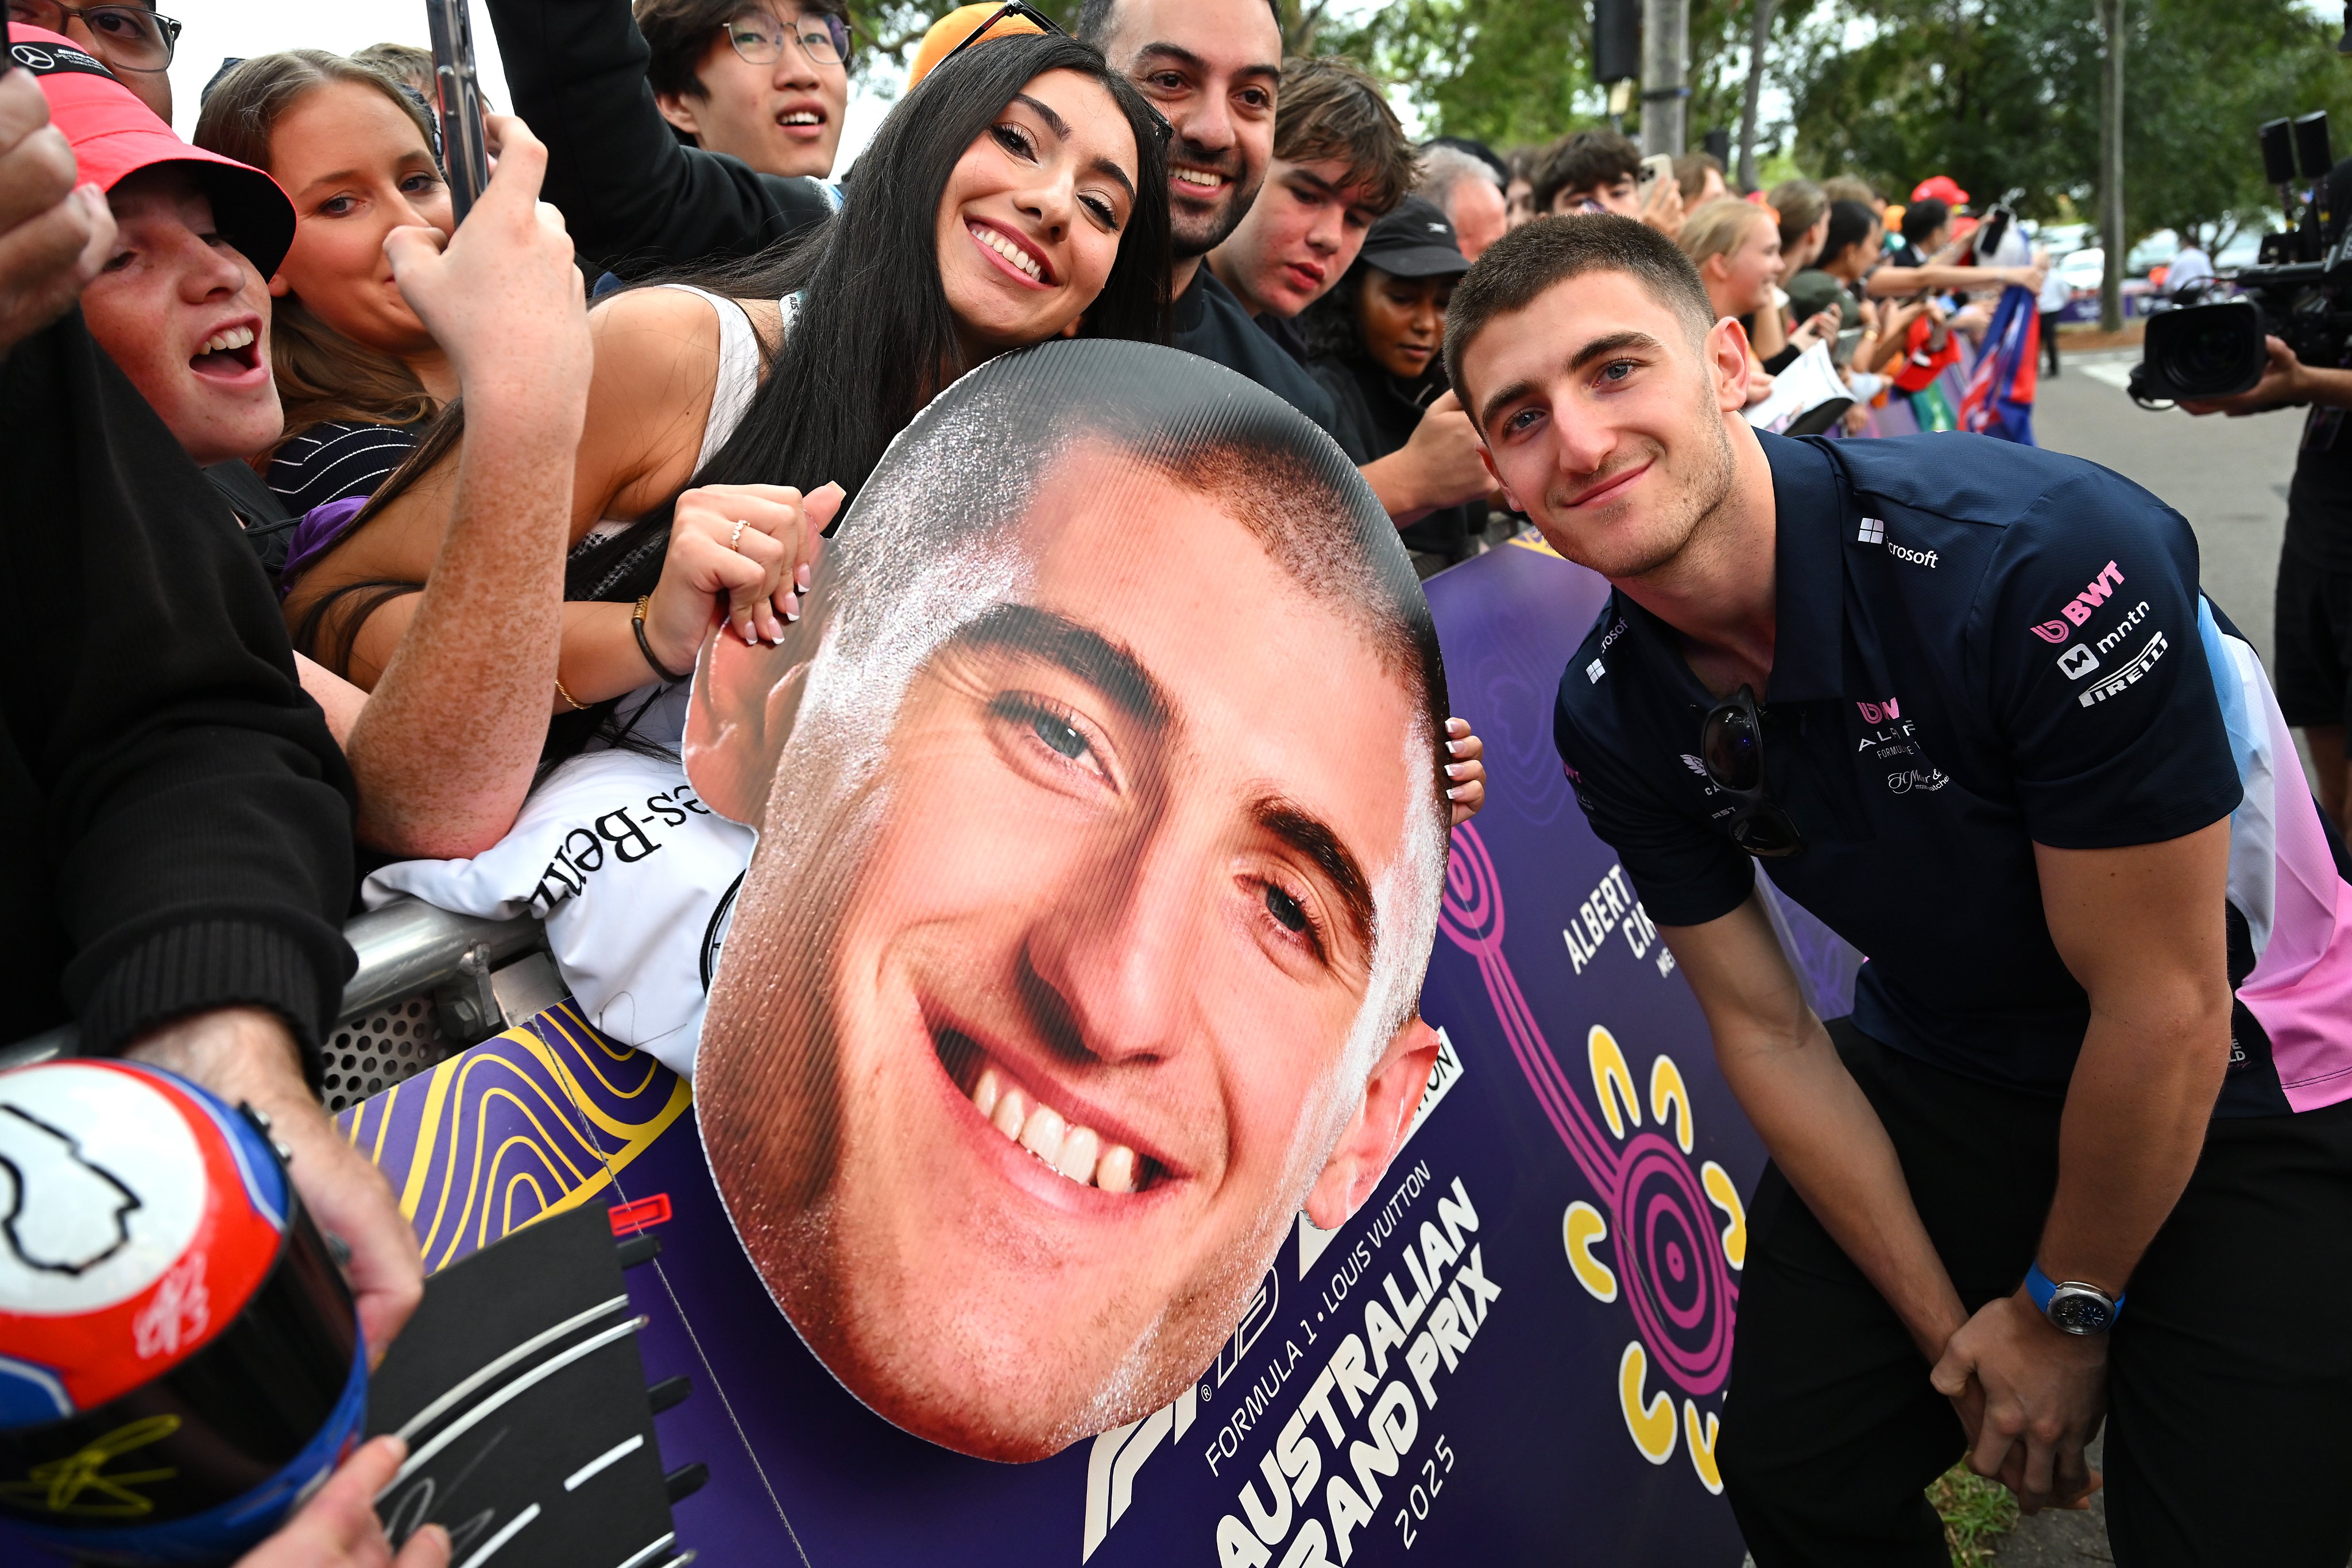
[[429, 983]]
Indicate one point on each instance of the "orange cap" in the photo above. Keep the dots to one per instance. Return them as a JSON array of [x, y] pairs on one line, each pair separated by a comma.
[[956, 27]]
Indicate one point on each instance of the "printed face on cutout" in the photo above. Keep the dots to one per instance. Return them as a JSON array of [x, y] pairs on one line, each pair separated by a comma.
[[1014, 1075]]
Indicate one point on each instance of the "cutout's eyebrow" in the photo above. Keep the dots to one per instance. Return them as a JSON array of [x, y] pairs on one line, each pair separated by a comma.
[[1311, 836], [1029, 633], [1061, 129], [1599, 348], [1177, 53]]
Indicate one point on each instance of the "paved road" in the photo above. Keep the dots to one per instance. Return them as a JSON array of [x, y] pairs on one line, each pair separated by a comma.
[[2227, 476]]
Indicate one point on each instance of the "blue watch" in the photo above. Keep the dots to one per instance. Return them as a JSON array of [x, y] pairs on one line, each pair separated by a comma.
[[2072, 1306]]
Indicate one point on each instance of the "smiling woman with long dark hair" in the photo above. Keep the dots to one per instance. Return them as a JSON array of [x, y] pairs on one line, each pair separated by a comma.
[[1017, 193]]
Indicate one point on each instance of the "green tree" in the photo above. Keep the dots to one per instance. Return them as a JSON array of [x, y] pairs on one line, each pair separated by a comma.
[[2003, 95]]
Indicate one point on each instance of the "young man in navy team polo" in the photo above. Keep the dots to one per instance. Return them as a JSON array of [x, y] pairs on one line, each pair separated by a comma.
[[2083, 1151]]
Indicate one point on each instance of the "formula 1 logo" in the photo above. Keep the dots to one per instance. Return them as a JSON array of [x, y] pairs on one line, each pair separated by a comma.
[[2078, 662], [2083, 605]]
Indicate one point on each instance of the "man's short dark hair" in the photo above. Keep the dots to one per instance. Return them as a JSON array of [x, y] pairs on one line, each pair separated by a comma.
[[1528, 262], [1850, 225], [1329, 109], [1583, 161], [679, 34], [1095, 19], [1923, 218]]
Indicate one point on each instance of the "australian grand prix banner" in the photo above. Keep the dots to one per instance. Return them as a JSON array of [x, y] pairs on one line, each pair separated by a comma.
[[1067, 1176]]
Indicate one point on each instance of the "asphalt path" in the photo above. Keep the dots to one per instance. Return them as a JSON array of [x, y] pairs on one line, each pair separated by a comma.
[[2227, 476]]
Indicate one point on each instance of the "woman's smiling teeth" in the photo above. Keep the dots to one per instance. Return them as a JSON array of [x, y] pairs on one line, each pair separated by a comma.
[[1078, 1153], [997, 241]]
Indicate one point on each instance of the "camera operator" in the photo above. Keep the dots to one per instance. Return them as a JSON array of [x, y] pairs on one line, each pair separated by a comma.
[[2312, 667]]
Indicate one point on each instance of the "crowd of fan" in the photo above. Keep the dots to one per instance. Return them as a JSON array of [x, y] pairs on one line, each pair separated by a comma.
[[497, 522]]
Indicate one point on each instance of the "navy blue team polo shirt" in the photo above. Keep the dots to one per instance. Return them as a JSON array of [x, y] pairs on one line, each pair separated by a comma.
[[1979, 646]]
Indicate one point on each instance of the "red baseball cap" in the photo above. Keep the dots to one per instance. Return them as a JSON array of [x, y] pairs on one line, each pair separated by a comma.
[[113, 134], [1940, 188]]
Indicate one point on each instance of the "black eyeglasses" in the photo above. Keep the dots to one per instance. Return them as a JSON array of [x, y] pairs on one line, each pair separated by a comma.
[[125, 38], [1731, 749], [759, 37]]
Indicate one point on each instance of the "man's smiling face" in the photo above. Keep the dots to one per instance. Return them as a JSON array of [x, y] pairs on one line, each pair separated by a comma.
[[1214, 68], [1014, 1136]]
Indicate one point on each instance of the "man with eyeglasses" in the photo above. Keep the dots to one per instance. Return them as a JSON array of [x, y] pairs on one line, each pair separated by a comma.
[[2083, 1152], [765, 80], [706, 136], [131, 40]]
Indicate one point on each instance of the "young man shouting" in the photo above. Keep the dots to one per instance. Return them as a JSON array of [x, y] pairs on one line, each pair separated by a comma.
[[2086, 1136]]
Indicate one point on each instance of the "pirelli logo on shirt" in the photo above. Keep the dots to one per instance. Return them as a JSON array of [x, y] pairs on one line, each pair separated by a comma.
[[2141, 664]]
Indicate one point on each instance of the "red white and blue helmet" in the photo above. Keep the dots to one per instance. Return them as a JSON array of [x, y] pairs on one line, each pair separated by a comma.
[[158, 1287]]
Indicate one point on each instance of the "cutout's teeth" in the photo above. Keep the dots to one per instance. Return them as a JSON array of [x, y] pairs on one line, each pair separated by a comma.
[[1076, 1160], [1042, 1135], [1012, 1113], [986, 1092], [1115, 1171]]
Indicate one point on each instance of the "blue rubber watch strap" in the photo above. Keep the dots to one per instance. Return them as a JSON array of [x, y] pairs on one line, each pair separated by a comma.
[[2041, 1287]]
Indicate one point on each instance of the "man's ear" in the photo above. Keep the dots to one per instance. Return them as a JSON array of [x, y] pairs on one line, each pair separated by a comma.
[[1391, 1096], [679, 109], [740, 716], [1726, 358]]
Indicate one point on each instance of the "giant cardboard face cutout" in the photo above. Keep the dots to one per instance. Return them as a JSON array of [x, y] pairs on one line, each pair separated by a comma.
[[1102, 828]]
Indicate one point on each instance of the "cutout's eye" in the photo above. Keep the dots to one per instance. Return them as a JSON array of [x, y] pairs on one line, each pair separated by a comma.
[[1060, 737], [1284, 908]]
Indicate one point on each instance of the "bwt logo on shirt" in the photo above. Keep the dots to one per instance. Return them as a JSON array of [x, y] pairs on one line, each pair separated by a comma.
[[1880, 713], [2083, 605]]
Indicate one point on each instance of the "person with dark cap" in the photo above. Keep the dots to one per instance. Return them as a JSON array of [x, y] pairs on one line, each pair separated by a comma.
[[1377, 341]]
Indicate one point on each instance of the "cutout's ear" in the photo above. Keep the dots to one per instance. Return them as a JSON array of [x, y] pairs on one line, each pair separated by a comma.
[[740, 718], [278, 287], [1391, 1096], [1072, 329], [679, 109]]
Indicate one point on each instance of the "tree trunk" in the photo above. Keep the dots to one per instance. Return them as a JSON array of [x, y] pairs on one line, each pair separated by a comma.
[[2111, 166], [1665, 67], [1759, 33]]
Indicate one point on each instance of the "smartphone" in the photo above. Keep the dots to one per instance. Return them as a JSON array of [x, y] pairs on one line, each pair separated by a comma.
[[1655, 167], [465, 153], [1847, 343]]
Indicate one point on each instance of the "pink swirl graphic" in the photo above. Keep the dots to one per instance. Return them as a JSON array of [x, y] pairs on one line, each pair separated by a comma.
[[1670, 1259]]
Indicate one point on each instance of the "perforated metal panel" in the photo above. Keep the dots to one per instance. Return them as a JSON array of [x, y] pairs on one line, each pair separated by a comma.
[[368, 1056]]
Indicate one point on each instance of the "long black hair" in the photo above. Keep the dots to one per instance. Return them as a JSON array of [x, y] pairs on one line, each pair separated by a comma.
[[874, 338]]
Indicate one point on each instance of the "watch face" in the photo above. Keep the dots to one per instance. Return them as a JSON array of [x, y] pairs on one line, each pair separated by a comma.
[[2080, 1311]]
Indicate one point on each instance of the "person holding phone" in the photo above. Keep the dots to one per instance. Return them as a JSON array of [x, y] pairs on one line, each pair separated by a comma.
[[1377, 339]]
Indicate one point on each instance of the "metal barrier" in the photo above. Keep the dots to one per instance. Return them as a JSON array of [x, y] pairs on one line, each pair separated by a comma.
[[429, 983]]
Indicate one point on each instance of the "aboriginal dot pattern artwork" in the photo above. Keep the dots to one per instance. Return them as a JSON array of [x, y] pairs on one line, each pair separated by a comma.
[[1663, 1233]]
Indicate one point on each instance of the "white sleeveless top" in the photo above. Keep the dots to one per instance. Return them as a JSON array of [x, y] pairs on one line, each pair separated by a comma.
[[662, 714]]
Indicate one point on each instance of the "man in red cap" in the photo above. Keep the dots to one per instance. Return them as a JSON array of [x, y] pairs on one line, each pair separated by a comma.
[[1940, 188], [182, 306]]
